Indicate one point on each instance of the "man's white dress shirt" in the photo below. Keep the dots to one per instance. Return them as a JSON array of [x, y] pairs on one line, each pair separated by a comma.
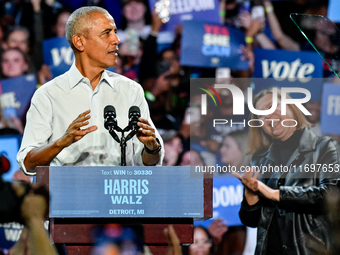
[[57, 103]]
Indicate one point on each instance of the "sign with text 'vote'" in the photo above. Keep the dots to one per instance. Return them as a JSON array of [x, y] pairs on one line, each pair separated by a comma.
[[227, 198], [211, 45], [125, 192], [58, 55], [283, 68], [330, 109], [199, 10], [16, 94]]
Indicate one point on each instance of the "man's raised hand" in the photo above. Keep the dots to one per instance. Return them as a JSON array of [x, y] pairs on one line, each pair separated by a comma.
[[42, 156], [146, 134], [75, 132]]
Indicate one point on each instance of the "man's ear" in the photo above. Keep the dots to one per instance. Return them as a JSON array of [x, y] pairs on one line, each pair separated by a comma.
[[78, 42]]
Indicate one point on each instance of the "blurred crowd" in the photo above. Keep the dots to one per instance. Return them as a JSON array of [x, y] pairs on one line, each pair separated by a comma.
[[151, 56]]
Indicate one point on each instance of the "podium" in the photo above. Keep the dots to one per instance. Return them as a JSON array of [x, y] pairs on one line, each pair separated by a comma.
[[82, 198]]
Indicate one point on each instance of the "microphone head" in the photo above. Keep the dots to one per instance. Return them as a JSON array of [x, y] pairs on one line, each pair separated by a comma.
[[134, 109], [110, 117], [134, 115], [109, 110]]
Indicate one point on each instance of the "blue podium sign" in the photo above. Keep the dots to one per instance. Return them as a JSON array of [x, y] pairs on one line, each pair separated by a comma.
[[125, 192]]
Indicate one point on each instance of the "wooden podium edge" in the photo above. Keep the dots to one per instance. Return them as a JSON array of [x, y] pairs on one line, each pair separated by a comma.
[[43, 176], [208, 197]]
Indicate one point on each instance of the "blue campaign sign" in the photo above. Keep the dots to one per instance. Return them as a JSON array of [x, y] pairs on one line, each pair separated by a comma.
[[181, 10], [227, 198], [288, 69], [9, 147], [9, 234], [125, 192], [58, 54], [330, 109], [17, 93], [333, 10], [211, 45]]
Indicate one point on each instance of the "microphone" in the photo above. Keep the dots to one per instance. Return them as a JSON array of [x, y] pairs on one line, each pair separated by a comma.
[[134, 115], [110, 122]]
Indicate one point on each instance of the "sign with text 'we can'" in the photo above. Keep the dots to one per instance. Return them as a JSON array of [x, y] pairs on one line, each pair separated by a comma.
[[212, 45]]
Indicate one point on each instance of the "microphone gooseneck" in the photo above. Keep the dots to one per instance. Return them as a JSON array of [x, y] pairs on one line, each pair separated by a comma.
[[110, 123]]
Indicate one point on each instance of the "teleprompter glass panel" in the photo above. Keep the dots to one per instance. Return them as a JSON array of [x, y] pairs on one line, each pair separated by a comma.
[[323, 35]]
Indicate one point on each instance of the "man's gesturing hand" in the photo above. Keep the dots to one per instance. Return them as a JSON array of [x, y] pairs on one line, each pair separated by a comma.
[[42, 156], [146, 134], [74, 132]]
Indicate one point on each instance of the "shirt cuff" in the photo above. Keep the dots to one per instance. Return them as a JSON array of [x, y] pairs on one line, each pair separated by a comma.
[[20, 159]]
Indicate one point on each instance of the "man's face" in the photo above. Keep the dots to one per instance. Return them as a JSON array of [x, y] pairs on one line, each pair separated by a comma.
[[101, 41]]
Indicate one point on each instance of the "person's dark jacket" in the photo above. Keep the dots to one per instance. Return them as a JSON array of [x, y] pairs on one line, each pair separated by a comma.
[[301, 213]]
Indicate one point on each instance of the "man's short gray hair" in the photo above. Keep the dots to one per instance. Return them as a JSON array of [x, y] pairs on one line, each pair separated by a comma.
[[78, 19]]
